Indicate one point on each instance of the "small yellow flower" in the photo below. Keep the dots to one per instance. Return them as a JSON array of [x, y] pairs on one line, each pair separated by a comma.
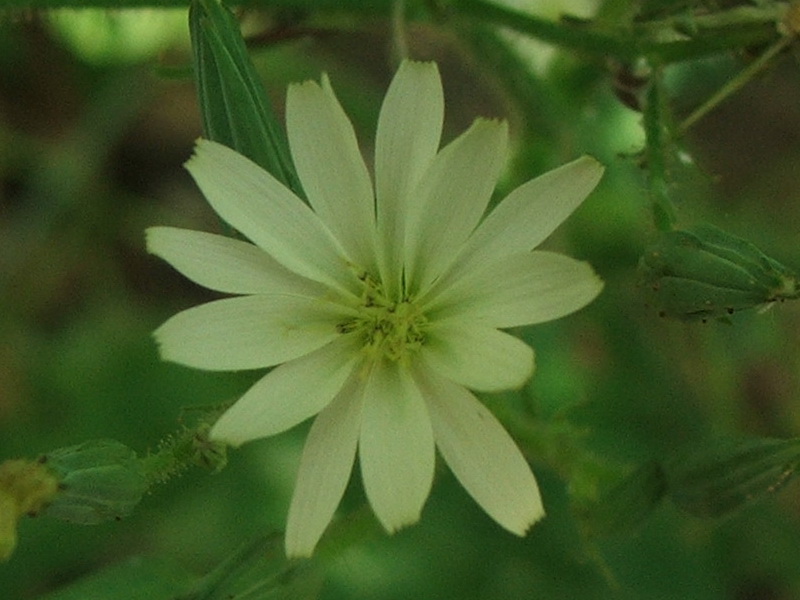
[[382, 305]]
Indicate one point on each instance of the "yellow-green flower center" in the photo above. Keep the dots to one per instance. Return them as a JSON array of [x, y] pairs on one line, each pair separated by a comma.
[[390, 328]]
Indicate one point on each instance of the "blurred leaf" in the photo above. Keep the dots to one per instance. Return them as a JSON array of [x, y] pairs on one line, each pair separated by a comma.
[[257, 571], [234, 107], [627, 504], [135, 579], [260, 571], [105, 37], [723, 475], [25, 487]]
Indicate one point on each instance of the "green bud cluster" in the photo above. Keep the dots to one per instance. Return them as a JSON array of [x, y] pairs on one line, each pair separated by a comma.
[[98, 480], [704, 272], [95, 481]]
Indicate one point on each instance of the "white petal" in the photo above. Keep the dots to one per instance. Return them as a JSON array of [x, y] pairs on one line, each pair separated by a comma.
[[330, 166], [481, 454], [247, 332], [268, 213], [289, 394], [226, 265], [522, 289], [478, 357], [325, 468], [450, 199], [409, 130], [529, 214], [396, 449]]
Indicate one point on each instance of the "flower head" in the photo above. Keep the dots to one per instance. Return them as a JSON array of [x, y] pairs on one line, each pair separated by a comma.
[[381, 305]]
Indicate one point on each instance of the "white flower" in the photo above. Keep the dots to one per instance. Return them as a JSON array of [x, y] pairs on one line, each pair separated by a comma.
[[381, 305]]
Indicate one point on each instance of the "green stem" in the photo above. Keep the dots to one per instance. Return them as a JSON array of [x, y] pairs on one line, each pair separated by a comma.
[[399, 31], [624, 45], [360, 7], [188, 447], [733, 85], [656, 147], [718, 33], [739, 16], [580, 38]]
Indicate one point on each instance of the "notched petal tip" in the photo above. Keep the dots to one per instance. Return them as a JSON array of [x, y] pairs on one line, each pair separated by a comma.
[[394, 523], [596, 280], [420, 68], [594, 168], [493, 121], [526, 526], [325, 83], [202, 148], [189, 163], [529, 371], [229, 438], [152, 236], [584, 291], [499, 125], [303, 87], [299, 553], [408, 521], [163, 346], [158, 239]]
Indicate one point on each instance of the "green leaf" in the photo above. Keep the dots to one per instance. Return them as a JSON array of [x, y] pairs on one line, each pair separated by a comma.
[[259, 571], [627, 504], [722, 476], [135, 579], [99, 480], [234, 107], [704, 272]]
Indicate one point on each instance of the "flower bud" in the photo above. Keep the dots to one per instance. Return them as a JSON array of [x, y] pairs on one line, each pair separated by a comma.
[[704, 272], [98, 480], [25, 487]]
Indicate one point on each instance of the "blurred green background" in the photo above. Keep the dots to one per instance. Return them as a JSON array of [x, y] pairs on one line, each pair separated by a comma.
[[98, 113]]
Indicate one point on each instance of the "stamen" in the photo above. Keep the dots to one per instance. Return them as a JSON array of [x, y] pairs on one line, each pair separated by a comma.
[[394, 329]]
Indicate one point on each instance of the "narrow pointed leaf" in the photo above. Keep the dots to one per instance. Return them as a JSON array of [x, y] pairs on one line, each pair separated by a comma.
[[137, 577], [234, 107], [718, 478], [259, 570], [626, 504]]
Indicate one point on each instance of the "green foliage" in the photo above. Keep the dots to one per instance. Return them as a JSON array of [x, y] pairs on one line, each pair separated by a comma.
[[259, 571], [628, 504], [89, 159], [704, 272], [722, 476], [657, 149], [133, 579], [98, 481], [233, 104], [711, 479], [25, 488]]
